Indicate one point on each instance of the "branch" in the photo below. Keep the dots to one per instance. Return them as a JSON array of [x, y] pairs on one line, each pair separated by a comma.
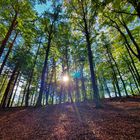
[[123, 12]]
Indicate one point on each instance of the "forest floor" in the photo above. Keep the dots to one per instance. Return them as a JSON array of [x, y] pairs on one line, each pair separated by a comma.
[[117, 120]]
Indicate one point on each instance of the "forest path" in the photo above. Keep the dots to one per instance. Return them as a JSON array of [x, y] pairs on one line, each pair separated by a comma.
[[117, 120]]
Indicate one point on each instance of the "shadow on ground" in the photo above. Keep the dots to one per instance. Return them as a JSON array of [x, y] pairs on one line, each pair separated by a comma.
[[80, 121]]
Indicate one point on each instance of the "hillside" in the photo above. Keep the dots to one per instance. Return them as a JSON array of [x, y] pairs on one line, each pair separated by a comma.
[[118, 119]]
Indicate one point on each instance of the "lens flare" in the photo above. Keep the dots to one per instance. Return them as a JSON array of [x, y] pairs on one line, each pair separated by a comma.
[[65, 78]]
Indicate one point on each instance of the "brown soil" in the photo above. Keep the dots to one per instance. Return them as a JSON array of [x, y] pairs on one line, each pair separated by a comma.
[[117, 120]]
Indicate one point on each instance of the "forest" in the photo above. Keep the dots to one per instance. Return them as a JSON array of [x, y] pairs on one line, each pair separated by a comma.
[[71, 55]]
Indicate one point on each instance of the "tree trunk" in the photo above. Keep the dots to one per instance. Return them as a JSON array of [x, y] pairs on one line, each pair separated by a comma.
[[13, 24], [132, 39], [90, 59], [43, 77], [119, 74], [49, 85], [5, 77], [93, 76], [77, 90], [69, 84], [31, 99], [61, 91], [31, 77], [24, 94], [134, 66], [9, 100], [9, 50], [15, 91], [52, 96], [114, 75], [106, 87], [126, 41], [114, 89], [83, 84], [132, 92], [133, 75], [101, 88], [9, 86]]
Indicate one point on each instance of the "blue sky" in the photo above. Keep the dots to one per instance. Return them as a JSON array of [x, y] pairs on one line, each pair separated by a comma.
[[42, 7]]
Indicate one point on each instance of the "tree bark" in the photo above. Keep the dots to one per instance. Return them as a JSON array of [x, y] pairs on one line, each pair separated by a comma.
[[90, 59], [132, 39], [10, 96], [114, 76], [9, 86], [15, 91], [123, 35], [4, 42], [106, 87], [134, 66], [31, 77], [77, 90], [114, 89], [9, 50], [43, 77], [119, 75], [83, 84], [5, 77], [24, 94], [49, 85]]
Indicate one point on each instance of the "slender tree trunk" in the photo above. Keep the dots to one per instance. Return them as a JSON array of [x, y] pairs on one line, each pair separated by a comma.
[[126, 41], [31, 77], [114, 75], [90, 59], [43, 77], [24, 93], [10, 96], [101, 88], [9, 86], [134, 66], [6, 57], [83, 84], [49, 85], [31, 100], [111, 57], [114, 89], [60, 97], [13, 24], [61, 88], [53, 90], [77, 90], [132, 71], [69, 84], [93, 76], [119, 75], [132, 92], [19, 98], [132, 39], [3, 83], [133, 75], [55, 84], [106, 87], [43, 100], [15, 91], [35, 99]]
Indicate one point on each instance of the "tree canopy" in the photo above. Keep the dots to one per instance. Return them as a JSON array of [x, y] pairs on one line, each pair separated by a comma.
[[94, 44]]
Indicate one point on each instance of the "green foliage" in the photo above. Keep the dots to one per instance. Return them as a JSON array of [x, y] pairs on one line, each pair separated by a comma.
[[65, 24]]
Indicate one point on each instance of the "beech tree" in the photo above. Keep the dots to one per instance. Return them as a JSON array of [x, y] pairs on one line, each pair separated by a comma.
[[71, 51]]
